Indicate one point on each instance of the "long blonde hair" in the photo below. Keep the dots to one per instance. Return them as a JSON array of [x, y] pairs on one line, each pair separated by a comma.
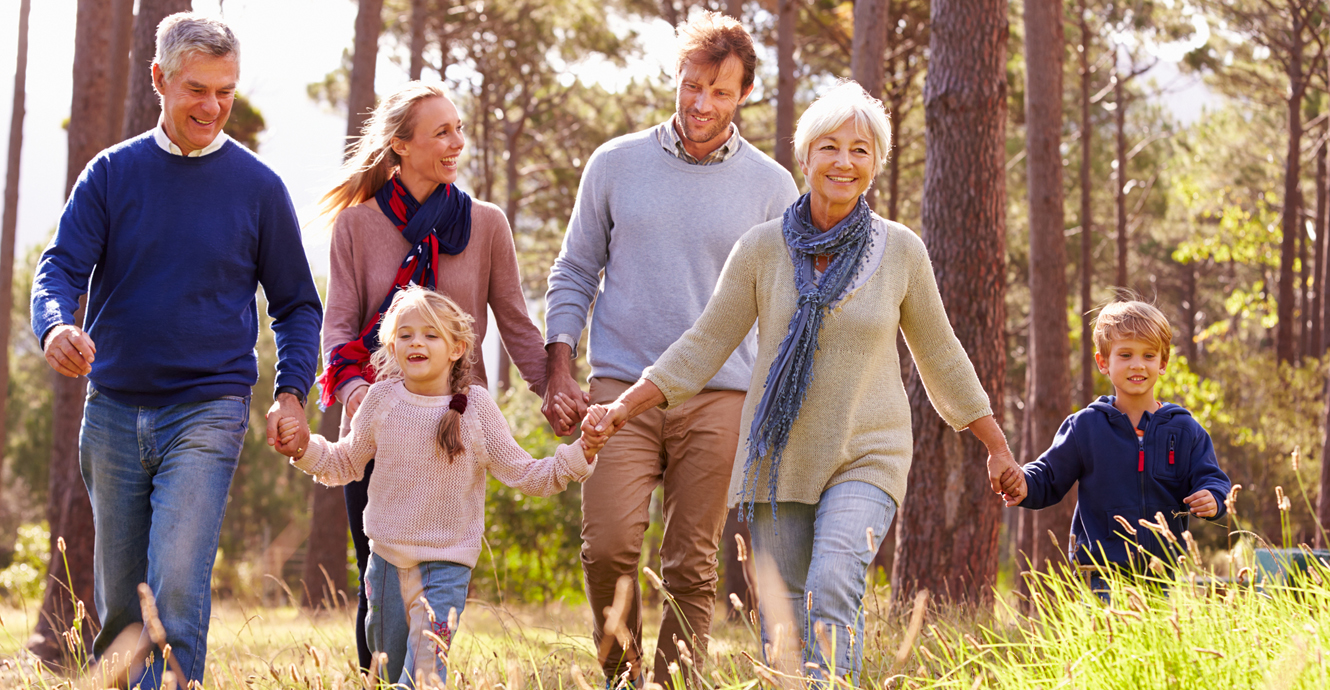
[[372, 160], [447, 318]]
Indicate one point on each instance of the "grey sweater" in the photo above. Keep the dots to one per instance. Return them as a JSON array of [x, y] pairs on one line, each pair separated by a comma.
[[660, 229]]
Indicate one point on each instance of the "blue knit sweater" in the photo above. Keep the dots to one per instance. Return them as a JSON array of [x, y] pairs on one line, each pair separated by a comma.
[[175, 248], [1121, 474]]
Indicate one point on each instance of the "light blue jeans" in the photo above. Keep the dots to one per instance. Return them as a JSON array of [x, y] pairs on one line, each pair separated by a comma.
[[822, 553], [158, 478], [397, 618]]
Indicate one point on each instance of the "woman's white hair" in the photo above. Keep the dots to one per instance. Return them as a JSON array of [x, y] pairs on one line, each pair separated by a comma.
[[834, 108], [185, 32]]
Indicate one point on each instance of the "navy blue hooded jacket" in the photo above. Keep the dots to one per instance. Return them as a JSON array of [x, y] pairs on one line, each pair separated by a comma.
[[1121, 474]]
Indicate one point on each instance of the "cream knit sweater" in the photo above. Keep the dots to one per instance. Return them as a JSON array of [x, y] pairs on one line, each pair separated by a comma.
[[422, 507], [854, 424]]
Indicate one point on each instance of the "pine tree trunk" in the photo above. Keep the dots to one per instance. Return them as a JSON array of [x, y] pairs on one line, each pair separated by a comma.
[[122, 38], [1087, 215], [360, 96], [142, 109], [868, 51], [69, 511], [1120, 177], [1301, 329], [325, 559], [786, 12], [947, 538], [418, 16], [1317, 347], [8, 226], [1050, 380], [1285, 342]]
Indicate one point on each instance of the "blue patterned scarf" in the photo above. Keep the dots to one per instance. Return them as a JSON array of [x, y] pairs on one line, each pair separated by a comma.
[[791, 371]]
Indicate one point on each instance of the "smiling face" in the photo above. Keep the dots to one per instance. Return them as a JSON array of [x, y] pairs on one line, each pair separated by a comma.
[[1133, 366], [196, 101], [838, 168], [429, 157], [705, 102], [424, 354]]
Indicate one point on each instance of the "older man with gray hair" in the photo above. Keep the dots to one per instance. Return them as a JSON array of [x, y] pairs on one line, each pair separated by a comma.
[[170, 234]]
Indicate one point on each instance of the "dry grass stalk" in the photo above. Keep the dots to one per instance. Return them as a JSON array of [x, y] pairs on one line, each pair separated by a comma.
[[777, 617], [912, 632], [1125, 525], [1231, 501], [579, 679], [615, 615]]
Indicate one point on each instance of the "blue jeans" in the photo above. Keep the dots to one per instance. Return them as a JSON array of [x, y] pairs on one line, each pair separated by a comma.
[[397, 619], [158, 478], [822, 552]]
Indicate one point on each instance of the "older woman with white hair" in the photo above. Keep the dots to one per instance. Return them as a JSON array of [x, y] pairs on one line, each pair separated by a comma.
[[827, 417]]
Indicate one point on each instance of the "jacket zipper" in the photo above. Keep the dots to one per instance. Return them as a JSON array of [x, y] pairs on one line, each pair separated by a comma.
[[1171, 441], [1140, 454]]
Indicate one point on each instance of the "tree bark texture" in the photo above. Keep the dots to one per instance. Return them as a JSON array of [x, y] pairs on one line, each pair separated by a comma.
[[360, 95], [1302, 299], [947, 538], [122, 37], [1087, 214], [868, 52], [1285, 344], [325, 559], [1120, 177], [787, 11], [9, 224], [1049, 400], [68, 509], [419, 14], [1318, 262], [142, 109]]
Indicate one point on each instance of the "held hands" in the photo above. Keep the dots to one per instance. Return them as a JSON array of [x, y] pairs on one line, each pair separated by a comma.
[[1006, 478], [70, 351], [565, 404], [1202, 504], [286, 409]]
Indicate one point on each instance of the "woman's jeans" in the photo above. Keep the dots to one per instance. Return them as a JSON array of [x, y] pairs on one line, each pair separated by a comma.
[[158, 478], [822, 553], [398, 620], [357, 497]]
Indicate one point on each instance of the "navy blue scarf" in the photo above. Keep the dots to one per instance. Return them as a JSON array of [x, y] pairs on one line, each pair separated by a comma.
[[791, 371]]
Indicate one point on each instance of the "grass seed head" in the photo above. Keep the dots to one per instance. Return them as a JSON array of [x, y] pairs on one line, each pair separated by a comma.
[[1125, 525]]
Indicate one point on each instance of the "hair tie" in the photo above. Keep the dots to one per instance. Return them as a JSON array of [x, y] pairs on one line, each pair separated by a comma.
[[458, 403]]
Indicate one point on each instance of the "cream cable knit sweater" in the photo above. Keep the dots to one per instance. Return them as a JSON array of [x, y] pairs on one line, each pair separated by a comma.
[[854, 424], [421, 506]]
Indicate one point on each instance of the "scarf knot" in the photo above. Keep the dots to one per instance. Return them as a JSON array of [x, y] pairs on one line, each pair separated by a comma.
[[791, 371]]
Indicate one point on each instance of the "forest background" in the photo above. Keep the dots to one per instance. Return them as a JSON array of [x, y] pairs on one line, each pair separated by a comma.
[[1109, 176]]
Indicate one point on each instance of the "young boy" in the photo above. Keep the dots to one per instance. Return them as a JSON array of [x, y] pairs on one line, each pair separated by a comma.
[[1134, 456]]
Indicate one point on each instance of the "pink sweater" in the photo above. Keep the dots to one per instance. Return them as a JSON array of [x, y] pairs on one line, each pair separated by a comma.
[[367, 249], [423, 507]]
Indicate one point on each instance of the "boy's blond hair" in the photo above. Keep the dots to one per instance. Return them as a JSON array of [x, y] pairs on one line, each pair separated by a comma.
[[1134, 320]]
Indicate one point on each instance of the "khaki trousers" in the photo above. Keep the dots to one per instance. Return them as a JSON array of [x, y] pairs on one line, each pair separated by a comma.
[[690, 450]]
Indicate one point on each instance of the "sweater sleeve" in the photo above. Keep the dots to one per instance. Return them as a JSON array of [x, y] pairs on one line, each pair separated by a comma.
[[515, 467], [67, 263], [947, 373], [1205, 472], [520, 336], [293, 301], [1050, 477], [334, 463], [701, 351], [575, 277], [342, 315]]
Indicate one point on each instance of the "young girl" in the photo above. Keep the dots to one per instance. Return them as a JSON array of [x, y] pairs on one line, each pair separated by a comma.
[[433, 437]]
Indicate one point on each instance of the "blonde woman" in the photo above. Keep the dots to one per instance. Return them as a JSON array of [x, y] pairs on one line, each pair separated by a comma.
[[400, 219]]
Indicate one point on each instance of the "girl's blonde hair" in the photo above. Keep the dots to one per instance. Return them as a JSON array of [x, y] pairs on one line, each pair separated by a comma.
[[448, 319], [372, 161]]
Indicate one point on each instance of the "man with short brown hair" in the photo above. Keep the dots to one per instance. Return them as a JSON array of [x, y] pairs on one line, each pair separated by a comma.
[[658, 212]]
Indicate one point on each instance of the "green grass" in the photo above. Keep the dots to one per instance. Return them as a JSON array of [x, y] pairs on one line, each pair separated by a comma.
[[1194, 633]]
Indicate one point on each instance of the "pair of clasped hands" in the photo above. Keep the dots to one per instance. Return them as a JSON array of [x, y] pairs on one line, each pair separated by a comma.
[[598, 425]]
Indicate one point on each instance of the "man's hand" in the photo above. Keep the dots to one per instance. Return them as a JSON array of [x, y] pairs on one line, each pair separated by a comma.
[[287, 406], [353, 401], [70, 351], [1202, 504], [565, 402]]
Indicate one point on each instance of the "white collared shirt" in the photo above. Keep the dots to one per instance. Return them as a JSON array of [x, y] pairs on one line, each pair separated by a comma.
[[159, 135]]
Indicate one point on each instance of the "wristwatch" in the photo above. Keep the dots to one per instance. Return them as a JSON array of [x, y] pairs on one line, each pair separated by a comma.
[[300, 395]]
